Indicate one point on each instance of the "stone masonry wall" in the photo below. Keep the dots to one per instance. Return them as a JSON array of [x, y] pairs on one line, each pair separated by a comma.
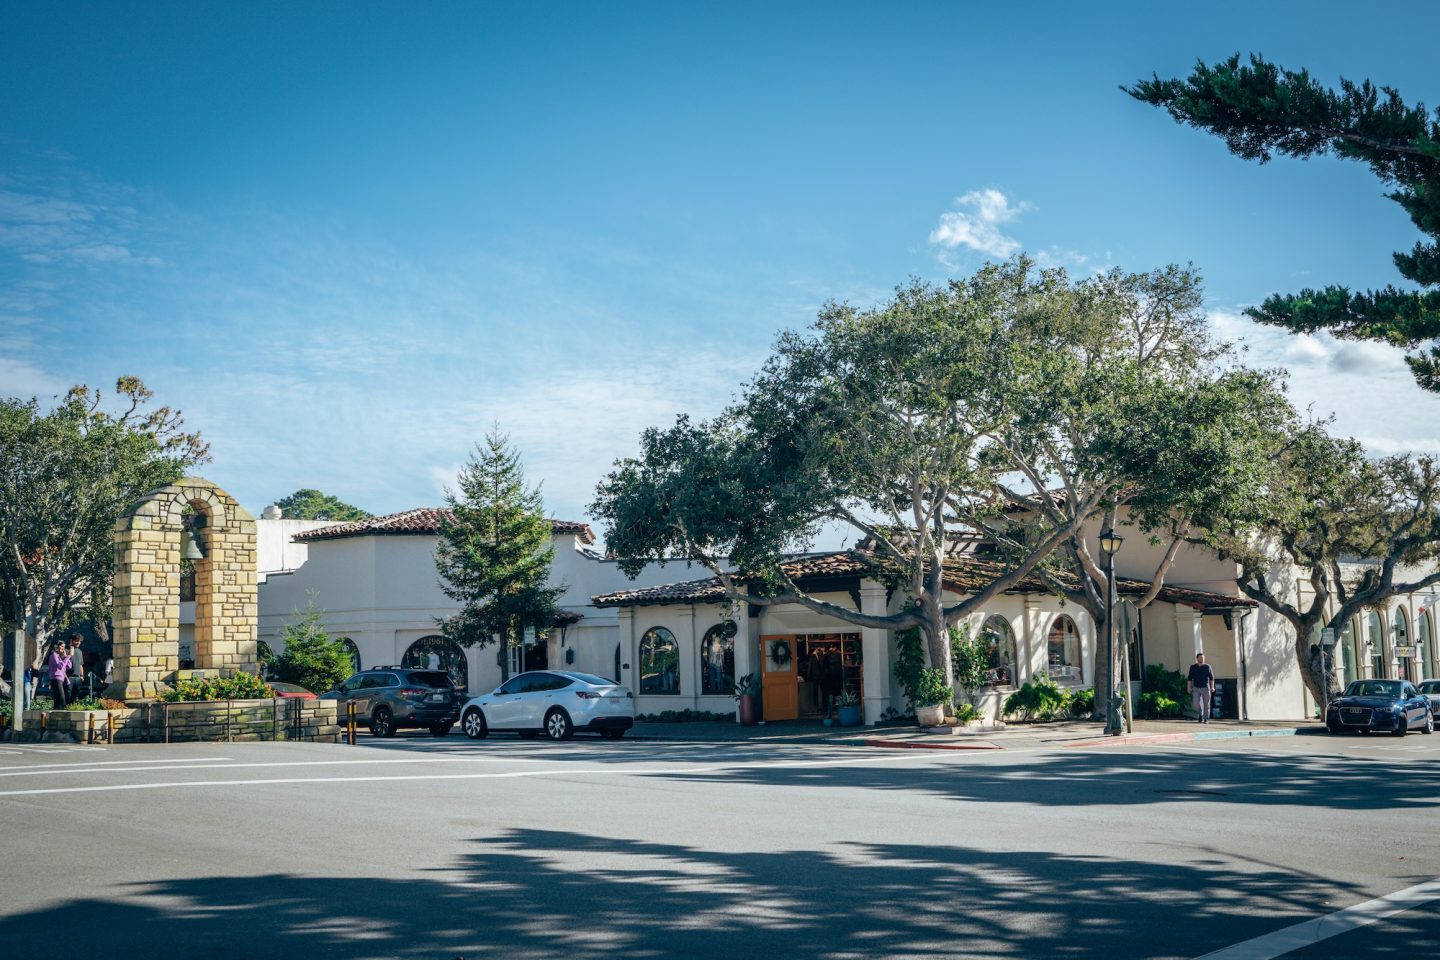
[[222, 721]]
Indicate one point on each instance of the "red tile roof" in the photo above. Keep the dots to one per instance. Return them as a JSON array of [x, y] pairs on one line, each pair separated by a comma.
[[420, 522], [963, 574]]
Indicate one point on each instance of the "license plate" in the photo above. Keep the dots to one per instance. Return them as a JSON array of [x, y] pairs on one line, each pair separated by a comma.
[[437, 698]]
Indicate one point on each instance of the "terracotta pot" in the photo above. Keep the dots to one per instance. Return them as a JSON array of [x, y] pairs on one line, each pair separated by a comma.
[[749, 710], [930, 716]]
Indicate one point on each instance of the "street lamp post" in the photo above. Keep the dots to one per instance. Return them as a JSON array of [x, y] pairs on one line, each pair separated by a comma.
[[1110, 545]]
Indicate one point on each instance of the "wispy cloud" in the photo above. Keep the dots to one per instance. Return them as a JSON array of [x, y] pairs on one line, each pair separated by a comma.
[[975, 224]]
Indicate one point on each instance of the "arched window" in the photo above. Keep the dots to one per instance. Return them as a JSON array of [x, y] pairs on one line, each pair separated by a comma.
[[717, 660], [1425, 633], [659, 662], [999, 642], [1064, 643], [352, 651], [1375, 633], [1401, 626], [435, 652]]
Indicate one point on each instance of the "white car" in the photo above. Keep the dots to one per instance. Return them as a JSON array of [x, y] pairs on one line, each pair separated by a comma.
[[553, 702]]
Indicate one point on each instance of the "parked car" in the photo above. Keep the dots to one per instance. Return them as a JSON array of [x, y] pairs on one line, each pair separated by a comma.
[[1391, 705], [554, 702], [291, 691], [390, 698], [1431, 690]]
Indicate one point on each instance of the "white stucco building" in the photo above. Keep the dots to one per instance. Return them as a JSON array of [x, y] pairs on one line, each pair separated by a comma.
[[670, 636]]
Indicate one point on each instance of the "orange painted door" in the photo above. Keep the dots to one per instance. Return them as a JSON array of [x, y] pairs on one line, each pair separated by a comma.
[[778, 679]]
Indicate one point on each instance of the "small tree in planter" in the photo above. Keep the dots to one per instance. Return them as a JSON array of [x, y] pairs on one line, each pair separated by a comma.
[[931, 696], [747, 689], [971, 657]]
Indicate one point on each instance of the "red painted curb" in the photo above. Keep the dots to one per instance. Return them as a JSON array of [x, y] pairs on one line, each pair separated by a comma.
[[913, 745]]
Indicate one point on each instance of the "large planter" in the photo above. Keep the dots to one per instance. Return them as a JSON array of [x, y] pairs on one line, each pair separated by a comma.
[[749, 710], [931, 716], [849, 716]]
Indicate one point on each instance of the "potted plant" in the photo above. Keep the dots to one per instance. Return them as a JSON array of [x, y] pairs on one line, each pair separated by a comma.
[[931, 696], [847, 705], [747, 694]]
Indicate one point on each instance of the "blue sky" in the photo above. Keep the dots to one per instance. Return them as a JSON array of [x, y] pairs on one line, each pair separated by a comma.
[[346, 238]]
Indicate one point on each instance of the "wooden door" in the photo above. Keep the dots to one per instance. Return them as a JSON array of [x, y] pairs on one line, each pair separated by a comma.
[[778, 678]]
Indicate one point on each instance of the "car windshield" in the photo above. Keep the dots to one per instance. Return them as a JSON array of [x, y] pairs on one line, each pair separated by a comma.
[[430, 678], [1430, 686], [1373, 688], [593, 680]]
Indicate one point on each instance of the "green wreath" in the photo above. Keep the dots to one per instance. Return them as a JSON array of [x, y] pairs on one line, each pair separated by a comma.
[[780, 653]]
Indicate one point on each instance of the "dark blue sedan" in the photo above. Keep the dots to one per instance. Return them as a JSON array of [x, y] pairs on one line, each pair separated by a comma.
[[1394, 706]]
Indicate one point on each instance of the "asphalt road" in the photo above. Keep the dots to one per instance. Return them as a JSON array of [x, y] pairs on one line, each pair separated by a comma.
[[418, 848]]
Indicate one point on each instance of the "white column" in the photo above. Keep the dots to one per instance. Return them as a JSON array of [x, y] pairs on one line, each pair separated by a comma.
[[875, 650], [1034, 653], [689, 654], [1187, 628], [628, 676]]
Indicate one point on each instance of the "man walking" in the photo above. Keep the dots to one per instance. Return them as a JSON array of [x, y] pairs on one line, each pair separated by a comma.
[[1202, 685]]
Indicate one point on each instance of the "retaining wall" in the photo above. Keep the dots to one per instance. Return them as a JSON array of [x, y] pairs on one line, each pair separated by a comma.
[[222, 721]]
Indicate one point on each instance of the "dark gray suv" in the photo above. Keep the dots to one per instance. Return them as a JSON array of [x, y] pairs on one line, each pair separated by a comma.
[[388, 698]]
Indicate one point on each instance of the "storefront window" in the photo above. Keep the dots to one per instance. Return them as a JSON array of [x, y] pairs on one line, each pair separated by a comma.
[[717, 660], [1064, 644], [1425, 633], [999, 643], [659, 662], [1375, 633], [437, 653], [1402, 643], [1349, 655]]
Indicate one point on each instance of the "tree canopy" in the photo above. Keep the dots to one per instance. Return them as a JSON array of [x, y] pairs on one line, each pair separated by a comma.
[[1260, 109], [495, 552], [1010, 407], [66, 475], [309, 504], [311, 658]]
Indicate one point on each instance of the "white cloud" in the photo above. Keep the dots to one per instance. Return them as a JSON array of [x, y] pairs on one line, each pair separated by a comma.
[[976, 224]]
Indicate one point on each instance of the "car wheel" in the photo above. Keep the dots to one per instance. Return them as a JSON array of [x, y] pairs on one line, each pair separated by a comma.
[[473, 723], [1401, 727], [558, 725], [612, 734], [382, 724], [440, 729], [1429, 723]]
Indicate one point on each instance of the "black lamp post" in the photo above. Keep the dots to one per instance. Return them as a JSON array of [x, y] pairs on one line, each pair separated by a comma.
[[1110, 545]]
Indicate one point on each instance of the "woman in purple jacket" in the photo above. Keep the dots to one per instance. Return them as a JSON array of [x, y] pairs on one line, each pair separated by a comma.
[[58, 667]]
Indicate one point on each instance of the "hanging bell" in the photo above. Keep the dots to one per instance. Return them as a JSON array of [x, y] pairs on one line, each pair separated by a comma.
[[191, 548]]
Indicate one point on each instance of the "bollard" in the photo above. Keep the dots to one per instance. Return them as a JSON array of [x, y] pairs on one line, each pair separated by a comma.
[[110, 726], [44, 722], [350, 722], [89, 728]]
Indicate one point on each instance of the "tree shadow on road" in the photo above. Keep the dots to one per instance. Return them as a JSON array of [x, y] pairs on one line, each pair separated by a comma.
[[532, 894]]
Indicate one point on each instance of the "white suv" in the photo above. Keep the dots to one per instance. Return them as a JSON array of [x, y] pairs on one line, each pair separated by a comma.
[[553, 702]]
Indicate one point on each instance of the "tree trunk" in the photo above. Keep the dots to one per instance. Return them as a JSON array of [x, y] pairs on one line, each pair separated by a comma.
[[1101, 712], [1319, 681]]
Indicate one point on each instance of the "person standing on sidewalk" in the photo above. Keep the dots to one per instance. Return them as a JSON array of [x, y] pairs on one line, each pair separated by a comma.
[[1202, 686], [58, 668]]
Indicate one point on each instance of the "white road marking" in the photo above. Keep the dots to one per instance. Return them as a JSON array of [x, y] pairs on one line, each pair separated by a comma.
[[509, 775], [1332, 925], [83, 766]]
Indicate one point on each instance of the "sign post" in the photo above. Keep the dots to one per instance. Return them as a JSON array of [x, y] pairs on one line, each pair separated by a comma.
[[18, 684]]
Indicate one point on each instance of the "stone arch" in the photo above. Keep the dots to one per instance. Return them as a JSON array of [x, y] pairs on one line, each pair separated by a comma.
[[147, 588]]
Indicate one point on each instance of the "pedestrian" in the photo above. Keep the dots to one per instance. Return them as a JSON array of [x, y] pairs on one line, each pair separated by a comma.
[[29, 685], [58, 667], [109, 670], [77, 668], [1202, 686]]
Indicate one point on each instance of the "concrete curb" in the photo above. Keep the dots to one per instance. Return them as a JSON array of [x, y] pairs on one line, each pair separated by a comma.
[[1183, 737], [920, 745]]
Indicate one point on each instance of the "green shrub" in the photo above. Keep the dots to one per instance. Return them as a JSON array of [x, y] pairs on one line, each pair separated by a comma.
[[970, 659], [242, 686], [931, 690], [1038, 699], [311, 659], [684, 716], [1153, 706], [96, 703], [1082, 702], [965, 712], [909, 662], [1167, 683]]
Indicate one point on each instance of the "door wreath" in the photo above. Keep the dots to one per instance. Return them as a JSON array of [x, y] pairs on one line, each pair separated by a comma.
[[780, 653]]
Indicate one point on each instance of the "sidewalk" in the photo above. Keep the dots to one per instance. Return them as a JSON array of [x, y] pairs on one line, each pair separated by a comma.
[[1067, 733]]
